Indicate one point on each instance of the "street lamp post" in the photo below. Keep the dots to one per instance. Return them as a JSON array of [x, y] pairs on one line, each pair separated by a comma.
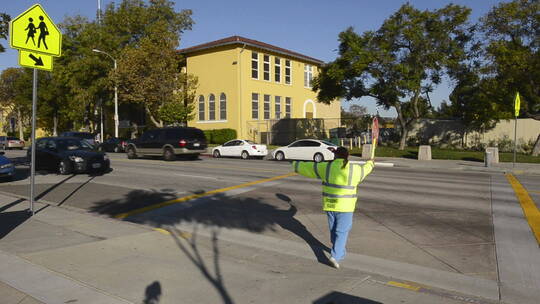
[[115, 93]]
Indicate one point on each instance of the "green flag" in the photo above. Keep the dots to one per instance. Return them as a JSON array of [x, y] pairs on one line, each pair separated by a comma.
[[517, 102]]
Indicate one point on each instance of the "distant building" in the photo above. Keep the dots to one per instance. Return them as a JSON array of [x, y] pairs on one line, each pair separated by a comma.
[[250, 86]]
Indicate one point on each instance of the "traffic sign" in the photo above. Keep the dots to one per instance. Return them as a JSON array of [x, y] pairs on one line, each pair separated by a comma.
[[35, 60], [34, 31], [517, 103]]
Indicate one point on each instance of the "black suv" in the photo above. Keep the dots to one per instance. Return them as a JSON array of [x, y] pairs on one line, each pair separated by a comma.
[[168, 142]]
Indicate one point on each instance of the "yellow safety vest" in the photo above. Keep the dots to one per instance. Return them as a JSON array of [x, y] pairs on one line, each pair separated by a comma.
[[339, 185]]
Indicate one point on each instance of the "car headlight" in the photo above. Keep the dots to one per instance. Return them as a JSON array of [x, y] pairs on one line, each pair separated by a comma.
[[105, 157], [6, 166], [76, 159]]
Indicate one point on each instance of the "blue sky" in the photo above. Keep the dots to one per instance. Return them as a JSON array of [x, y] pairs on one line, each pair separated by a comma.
[[309, 27]]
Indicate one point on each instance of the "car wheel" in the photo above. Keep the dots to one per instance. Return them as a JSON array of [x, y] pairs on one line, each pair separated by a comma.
[[216, 154], [244, 155], [65, 167], [168, 154], [131, 153], [280, 156], [318, 157], [116, 150]]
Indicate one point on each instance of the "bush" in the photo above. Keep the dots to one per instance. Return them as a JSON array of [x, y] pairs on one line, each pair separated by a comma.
[[219, 136]]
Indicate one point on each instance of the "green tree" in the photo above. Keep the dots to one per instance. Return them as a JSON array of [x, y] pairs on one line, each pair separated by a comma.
[[179, 109], [400, 63], [4, 27], [16, 95]]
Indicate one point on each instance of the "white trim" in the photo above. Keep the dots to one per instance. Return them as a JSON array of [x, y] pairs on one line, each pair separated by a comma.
[[211, 121], [314, 108]]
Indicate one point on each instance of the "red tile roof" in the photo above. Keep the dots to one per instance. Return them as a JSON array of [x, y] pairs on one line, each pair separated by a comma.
[[250, 42]]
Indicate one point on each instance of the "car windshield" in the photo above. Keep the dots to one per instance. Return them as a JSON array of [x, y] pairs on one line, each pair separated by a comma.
[[328, 143], [250, 142], [73, 144], [84, 135], [13, 138]]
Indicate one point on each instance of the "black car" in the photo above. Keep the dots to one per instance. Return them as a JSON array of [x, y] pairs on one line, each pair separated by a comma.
[[89, 137], [67, 155], [169, 143], [113, 144]]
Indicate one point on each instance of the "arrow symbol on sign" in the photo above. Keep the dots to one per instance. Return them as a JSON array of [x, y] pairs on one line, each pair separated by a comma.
[[38, 62]]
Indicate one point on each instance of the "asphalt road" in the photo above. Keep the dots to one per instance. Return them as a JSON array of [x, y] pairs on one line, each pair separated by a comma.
[[440, 220]]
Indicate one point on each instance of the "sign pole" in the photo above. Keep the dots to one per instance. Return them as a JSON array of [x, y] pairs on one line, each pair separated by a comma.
[[33, 159], [517, 104], [515, 141]]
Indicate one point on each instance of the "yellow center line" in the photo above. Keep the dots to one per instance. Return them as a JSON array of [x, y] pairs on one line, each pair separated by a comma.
[[403, 285], [195, 196], [527, 204]]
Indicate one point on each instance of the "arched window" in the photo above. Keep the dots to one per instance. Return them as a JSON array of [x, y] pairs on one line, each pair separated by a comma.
[[201, 108], [222, 106], [211, 107]]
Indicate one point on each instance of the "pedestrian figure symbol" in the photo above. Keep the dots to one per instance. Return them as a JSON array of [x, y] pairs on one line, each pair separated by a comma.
[[31, 28], [43, 32]]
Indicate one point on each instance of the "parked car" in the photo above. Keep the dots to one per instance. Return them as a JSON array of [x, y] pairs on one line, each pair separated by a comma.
[[113, 144], [7, 168], [68, 155], [169, 143], [240, 148], [10, 142], [306, 149], [89, 137]]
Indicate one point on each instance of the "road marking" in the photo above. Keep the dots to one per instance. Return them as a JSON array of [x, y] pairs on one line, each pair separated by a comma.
[[194, 196], [403, 285], [527, 204]]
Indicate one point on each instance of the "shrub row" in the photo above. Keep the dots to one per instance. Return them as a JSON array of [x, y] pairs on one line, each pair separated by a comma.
[[219, 136]]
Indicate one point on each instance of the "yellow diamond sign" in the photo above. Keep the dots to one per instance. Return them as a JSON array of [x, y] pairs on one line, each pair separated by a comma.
[[34, 31], [35, 60]]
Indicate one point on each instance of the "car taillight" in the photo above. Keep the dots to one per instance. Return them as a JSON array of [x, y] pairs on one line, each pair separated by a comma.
[[254, 147], [123, 143], [11, 141], [331, 149], [182, 143]]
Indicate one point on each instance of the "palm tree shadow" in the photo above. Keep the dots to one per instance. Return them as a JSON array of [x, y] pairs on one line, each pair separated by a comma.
[[192, 252]]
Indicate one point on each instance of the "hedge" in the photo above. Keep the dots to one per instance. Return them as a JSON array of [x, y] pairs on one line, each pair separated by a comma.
[[219, 136]]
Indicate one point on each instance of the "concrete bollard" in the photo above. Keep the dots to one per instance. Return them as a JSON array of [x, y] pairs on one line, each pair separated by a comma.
[[488, 158], [366, 151], [424, 152], [495, 156]]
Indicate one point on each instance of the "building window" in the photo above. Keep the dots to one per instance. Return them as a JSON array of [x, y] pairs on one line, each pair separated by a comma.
[[287, 107], [266, 106], [254, 106], [201, 107], [211, 107], [277, 69], [287, 72], [266, 67], [308, 75], [277, 105], [254, 65], [222, 106]]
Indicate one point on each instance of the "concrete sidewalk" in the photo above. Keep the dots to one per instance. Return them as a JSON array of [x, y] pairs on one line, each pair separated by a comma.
[[68, 256]]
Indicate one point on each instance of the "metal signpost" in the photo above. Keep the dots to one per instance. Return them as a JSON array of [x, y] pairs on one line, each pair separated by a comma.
[[517, 102], [36, 54]]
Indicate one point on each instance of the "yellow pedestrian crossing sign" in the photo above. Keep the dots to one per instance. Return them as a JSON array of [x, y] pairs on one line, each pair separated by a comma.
[[35, 60], [34, 31]]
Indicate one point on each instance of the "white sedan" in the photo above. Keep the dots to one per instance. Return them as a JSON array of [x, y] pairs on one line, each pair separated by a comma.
[[240, 148], [306, 149]]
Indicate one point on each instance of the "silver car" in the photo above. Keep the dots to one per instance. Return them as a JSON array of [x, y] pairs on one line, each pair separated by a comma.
[[11, 142]]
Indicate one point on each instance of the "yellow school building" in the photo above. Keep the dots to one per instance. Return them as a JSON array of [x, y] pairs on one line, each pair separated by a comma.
[[252, 87]]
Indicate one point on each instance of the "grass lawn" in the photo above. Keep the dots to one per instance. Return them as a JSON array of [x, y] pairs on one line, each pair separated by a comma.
[[436, 153]]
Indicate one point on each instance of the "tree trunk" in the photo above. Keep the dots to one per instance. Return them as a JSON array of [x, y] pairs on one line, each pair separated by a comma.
[[20, 123], [403, 140], [55, 125], [536, 149], [157, 123]]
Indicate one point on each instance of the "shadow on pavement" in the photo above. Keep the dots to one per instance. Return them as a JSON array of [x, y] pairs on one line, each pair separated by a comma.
[[246, 213], [336, 297], [152, 293], [9, 220], [216, 279]]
